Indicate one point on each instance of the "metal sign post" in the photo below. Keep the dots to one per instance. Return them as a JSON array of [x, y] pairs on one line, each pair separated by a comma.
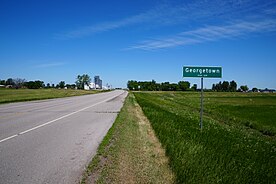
[[201, 103], [202, 72]]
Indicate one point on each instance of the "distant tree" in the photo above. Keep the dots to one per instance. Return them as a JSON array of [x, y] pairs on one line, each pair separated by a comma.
[[152, 85], [82, 80], [255, 89], [48, 85], [158, 87], [79, 82], [61, 84], [233, 86], [214, 87], [183, 85], [165, 86], [34, 84], [19, 83], [10, 82], [194, 87], [244, 88], [71, 86], [39, 84], [225, 86], [2, 82], [132, 85], [217, 87], [143, 85], [53, 85], [174, 87]]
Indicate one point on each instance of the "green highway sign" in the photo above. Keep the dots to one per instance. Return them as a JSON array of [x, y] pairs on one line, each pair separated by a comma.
[[202, 72]]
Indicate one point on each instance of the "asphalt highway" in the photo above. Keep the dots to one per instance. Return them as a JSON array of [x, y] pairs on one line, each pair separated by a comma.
[[52, 141]]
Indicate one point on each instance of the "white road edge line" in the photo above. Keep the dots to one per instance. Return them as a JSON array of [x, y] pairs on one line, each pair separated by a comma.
[[8, 138], [62, 117]]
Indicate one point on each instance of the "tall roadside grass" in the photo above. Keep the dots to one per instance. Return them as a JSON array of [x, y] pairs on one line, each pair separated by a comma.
[[221, 152]]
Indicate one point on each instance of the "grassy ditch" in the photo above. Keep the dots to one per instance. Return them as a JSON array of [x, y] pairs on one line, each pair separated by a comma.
[[19, 95], [130, 152], [228, 149]]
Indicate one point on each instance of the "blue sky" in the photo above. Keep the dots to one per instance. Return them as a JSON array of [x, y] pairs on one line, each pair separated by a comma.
[[55, 40]]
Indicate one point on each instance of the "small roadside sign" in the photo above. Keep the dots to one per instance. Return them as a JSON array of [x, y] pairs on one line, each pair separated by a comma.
[[202, 72]]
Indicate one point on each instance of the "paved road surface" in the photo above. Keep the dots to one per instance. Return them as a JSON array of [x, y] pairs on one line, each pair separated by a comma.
[[51, 141]]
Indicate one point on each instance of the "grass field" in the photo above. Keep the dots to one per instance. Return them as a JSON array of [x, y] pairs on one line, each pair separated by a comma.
[[19, 95], [237, 143]]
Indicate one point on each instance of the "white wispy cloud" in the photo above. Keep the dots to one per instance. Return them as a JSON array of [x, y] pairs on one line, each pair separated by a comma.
[[162, 15], [49, 65], [153, 14], [218, 20], [209, 33], [213, 19]]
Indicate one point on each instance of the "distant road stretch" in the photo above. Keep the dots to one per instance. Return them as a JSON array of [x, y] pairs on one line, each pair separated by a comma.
[[51, 141]]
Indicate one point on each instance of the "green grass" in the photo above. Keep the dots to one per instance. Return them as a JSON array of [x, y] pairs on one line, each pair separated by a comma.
[[129, 153], [19, 95], [237, 143]]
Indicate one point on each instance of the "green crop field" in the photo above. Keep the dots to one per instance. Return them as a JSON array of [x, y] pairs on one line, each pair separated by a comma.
[[18, 95], [237, 143]]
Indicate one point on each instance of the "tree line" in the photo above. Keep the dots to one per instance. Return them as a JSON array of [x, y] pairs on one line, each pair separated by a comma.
[[231, 86], [16, 83], [164, 86], [224, 86], [23, 83]]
